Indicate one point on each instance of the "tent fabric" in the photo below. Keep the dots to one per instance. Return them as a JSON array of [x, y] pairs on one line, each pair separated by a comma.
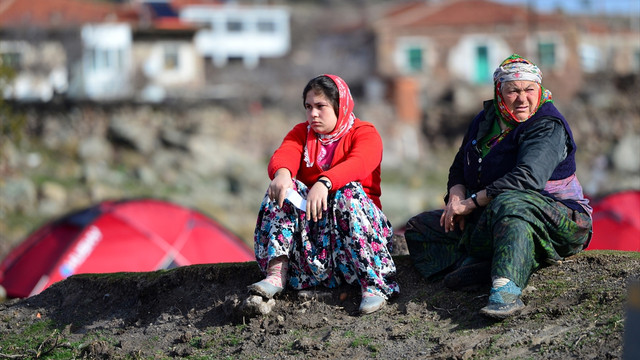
[[616, 222], [114, 236]]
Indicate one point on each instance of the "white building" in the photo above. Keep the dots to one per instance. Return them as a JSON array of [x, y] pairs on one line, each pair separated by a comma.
[[106, 61], [247, 33], [41, 70]]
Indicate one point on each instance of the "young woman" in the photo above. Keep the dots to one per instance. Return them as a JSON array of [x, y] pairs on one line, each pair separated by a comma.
[[332, 160]]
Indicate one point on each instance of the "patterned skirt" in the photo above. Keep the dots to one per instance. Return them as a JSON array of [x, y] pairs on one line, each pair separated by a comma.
[[352, 242], [519, 231]]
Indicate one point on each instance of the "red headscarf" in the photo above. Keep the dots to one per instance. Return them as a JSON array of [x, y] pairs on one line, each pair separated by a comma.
[[344, 123]]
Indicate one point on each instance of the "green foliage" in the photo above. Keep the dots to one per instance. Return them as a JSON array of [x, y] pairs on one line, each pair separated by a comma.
[[11, 125], [365, 342]]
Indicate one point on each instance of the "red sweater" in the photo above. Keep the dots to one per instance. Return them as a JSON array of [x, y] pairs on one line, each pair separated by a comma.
[[357, 157]]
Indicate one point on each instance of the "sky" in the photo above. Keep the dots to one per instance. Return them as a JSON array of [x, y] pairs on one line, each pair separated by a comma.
[[623, 7]]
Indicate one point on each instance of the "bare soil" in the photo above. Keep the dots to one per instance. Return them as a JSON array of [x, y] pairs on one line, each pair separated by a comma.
[[574, 310]]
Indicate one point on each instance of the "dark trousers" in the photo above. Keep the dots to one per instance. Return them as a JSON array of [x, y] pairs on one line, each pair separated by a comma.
[[518, 231]]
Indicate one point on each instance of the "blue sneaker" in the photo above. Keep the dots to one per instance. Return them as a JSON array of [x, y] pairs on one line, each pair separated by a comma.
[[504, 302]]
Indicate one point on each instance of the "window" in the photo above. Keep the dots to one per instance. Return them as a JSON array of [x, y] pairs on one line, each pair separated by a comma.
[[414, 59], [120, 59], [483, 73], [171, 57], [105, 59], [92, 59], [546, 54], [266, 26], [234, 26], [10, 59], [411, 55], [590, 58]]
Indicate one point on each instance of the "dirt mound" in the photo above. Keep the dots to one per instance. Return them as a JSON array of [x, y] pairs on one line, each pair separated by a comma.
[[574, 310]]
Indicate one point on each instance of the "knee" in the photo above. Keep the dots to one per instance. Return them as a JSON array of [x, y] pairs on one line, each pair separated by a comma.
[[345, 194], [422, 222], [414, 222], [507, 200]]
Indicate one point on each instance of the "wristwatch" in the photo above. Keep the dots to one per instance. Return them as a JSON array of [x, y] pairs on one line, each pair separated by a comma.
[[474, 198], [326, 183]]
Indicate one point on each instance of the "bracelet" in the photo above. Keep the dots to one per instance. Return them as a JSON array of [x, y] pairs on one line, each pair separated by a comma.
[[326, 183], [474, 199]]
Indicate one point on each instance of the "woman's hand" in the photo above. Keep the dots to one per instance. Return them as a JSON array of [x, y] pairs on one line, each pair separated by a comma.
[[317, 201], [456, 209], [454, 214], [278, 187], [459, 206]]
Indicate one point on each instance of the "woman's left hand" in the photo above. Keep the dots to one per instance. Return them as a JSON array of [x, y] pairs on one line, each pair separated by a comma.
[[317, 201], [458, 207], [454, 213]]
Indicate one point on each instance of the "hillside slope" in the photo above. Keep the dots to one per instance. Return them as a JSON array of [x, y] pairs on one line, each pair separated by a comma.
[[574, 310]]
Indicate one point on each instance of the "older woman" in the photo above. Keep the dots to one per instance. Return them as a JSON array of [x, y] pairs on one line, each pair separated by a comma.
[[321, 222], [513, 202]]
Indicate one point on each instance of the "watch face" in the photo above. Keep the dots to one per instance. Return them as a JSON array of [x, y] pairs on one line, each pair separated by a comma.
[[325, 183]]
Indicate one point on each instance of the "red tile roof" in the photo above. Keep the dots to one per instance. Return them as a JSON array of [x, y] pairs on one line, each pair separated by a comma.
[[405, 8], [178, 4], [463, 12], [54, 13]]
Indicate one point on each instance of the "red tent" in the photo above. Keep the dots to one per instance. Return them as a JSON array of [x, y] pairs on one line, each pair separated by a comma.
[[616, 222], [114, 236]]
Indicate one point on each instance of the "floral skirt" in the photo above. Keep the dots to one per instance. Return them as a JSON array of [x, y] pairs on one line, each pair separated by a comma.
[[352, 242]]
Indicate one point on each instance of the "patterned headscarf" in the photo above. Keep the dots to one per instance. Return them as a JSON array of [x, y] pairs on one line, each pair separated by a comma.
[[346, 118], [517, 68]]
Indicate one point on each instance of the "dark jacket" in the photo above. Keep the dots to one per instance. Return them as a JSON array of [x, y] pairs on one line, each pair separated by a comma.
[[537, 150]]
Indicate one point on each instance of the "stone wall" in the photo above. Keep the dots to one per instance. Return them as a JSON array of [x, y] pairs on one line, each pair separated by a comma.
[[214, 157]]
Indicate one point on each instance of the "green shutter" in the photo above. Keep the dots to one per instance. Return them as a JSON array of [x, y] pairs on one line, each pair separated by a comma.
[[414, 62], [482, 75], [547, 54]]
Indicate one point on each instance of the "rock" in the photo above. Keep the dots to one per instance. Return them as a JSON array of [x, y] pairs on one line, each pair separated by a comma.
[[33, 160], [307, 295], [256, 305], [53, 198], [93, 172], [146, 175], [140, 133], [9, 156], [18, 195], [625, 154], [100, 192], [174, 138], [95, 149], [467, 354], [208, 155]]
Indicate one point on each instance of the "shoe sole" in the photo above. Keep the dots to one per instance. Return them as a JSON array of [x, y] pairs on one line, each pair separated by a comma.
[[501, 312], [372, 310], [257, 290]]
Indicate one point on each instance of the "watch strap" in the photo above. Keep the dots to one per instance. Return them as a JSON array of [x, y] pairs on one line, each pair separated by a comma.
[[475, 200], [326, 183]]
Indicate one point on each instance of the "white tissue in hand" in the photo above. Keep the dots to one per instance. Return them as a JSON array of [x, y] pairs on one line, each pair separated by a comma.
[[296, 199]]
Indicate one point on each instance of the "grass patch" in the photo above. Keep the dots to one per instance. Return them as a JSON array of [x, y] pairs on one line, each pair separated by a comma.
[[41, 339], [365, 341]]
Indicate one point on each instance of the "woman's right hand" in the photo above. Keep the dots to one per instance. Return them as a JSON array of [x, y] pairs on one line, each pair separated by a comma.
[[278, 187]]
